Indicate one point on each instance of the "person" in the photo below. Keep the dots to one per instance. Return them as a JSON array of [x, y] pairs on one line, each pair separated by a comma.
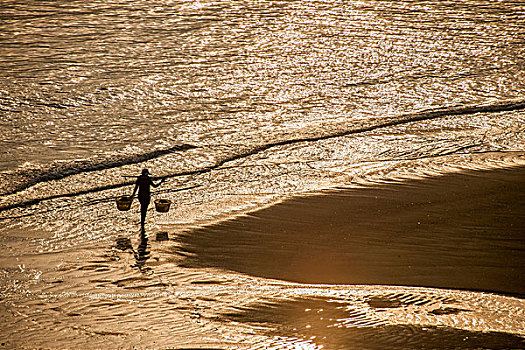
[[143, 185]]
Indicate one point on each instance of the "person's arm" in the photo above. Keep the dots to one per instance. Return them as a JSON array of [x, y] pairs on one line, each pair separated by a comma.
[[136, 188], [157, 185]]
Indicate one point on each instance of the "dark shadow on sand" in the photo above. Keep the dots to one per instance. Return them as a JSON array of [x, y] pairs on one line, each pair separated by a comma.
[[462, 231]]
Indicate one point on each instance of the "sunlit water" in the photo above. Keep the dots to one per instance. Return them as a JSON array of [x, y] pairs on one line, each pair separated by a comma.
[[244, 104]]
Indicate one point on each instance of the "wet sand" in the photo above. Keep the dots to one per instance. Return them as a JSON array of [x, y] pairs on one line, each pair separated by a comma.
[[459, 231], [225, 285], [355, 329]]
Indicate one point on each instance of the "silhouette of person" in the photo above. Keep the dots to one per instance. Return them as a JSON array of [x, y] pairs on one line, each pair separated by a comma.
[[143, 184]]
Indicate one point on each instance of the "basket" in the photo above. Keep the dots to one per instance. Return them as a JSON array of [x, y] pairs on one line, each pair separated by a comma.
[[124, 203], [162, 205]]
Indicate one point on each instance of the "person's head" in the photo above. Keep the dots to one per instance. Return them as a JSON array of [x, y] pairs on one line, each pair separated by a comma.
[[145, 172]]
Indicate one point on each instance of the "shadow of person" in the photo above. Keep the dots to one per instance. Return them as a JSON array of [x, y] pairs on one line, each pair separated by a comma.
[[142, 254]]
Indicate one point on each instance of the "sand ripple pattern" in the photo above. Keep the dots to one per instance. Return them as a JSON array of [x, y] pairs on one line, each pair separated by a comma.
[[114, 297]]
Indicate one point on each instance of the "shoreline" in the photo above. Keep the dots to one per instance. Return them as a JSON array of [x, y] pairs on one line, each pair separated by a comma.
[[457, 231]]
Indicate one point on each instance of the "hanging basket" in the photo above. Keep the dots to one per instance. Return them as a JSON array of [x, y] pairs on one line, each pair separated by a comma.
[[124, 203], [162, 205]]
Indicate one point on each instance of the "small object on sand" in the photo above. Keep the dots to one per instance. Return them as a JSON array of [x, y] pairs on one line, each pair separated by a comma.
[[124, 203], [162, 236], [162, 205]]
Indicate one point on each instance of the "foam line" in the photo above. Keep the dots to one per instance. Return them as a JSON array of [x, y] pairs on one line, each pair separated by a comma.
[[387, 122], [59, 170], [383, 123]]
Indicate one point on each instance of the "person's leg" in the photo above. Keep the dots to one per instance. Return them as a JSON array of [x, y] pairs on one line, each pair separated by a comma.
[[143, 211]]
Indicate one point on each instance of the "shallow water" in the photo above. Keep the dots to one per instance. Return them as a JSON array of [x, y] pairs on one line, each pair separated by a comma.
[[241, 105]]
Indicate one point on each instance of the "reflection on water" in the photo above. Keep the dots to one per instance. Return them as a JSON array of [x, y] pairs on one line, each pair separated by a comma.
[[142, 254]]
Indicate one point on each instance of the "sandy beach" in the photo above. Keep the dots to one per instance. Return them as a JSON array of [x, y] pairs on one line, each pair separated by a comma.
[[459, 231], [342, 174], [337, 269]]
